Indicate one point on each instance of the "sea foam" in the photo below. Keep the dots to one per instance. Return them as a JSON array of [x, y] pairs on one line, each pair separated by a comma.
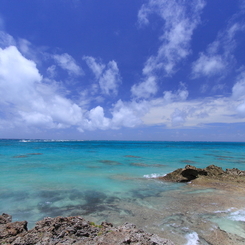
[[152, 176], [192, 238]]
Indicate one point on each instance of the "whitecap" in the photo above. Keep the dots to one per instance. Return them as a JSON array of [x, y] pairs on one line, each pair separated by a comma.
[[192, 238], [237, 216], [152, 176], [24, 141]]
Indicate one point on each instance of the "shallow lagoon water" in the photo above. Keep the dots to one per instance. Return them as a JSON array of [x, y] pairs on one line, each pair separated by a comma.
[[109, 180]]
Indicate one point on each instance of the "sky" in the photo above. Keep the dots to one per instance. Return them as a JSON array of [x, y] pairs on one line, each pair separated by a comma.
[[122, 70]]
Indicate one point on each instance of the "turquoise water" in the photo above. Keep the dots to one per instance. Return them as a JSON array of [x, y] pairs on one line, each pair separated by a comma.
[[97, 179]]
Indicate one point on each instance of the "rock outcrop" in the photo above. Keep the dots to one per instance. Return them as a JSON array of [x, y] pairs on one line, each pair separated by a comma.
[[212, 172], [73, 230]]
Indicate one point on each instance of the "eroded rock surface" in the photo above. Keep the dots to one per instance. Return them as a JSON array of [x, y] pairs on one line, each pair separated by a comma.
[[73, 230], [212, 172]]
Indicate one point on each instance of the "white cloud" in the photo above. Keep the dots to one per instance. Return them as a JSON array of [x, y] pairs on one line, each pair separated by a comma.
[[107, 76], [241, 109], [179, 23], [208, 65], [24, 46], [18, 76], [180, 95], [52, 71], [128, 114], [95, 120], [194, 113], [178, 118], [218, 59], [110, 79], [27, 100], [66, 62], [6, 40], [123, 114], [96, 67], [145, 89], [238, 93], [238, 90]]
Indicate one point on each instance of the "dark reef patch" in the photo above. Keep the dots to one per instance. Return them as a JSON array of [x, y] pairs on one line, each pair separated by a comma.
[[86, 202], [132, 156], [109, 162], [15, 196], [20, 156], [139, 164], [35, 154]]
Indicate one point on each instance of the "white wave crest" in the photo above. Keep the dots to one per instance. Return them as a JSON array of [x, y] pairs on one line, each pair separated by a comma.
[[47, 140], [152, 176], [192, 239], [238, 215]]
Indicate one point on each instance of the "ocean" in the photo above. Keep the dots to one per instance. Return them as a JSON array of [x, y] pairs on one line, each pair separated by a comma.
[[115, 181]]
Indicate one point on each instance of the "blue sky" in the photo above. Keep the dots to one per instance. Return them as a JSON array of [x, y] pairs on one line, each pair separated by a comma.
[[126, 70]]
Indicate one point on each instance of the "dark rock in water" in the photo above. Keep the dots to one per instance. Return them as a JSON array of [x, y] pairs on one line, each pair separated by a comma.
[[74, 230], [212, 172]]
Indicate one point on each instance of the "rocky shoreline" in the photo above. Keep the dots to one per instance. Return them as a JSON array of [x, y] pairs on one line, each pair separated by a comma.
[[73, 230], [187, 208]]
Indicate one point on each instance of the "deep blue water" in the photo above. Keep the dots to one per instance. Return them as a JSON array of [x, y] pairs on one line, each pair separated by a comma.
[[90, 178]]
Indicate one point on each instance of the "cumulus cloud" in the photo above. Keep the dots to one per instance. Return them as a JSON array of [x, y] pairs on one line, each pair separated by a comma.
[[29, 100], [145, 89], [179, 23], [123, 114], [107, 76], [67, 62], [18, 76], [95, 120], [128, 114]]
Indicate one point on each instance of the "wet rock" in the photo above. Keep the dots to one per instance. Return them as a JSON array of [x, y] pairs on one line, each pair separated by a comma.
[[75, 230]]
